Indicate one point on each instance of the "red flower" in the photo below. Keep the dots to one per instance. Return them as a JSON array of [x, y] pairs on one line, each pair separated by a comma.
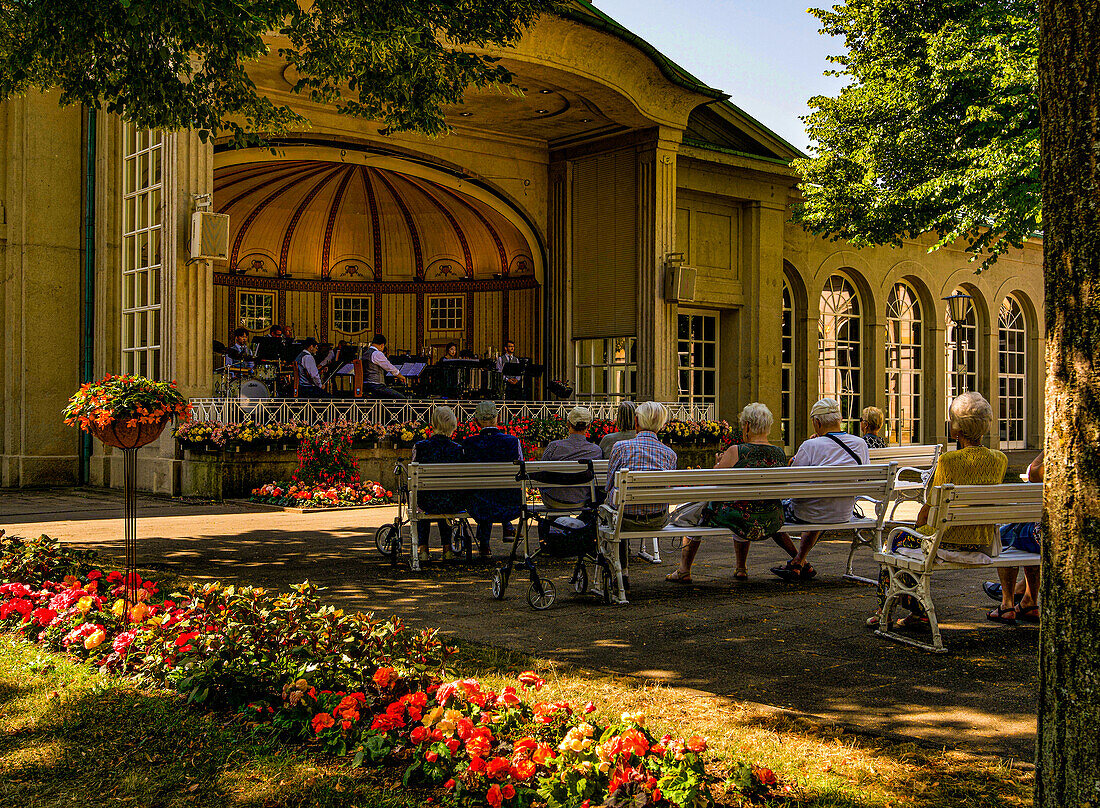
[[531, 679], [523, 769], [419, 735], [508, 791], [453, 746], [477, 765], [322, 721], [696, 744], [449, 784], [493, 796], [464, 728], [497, 768]]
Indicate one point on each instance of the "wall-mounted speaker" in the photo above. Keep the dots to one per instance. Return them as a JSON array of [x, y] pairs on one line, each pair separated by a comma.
[[680, 284], [209, 236]]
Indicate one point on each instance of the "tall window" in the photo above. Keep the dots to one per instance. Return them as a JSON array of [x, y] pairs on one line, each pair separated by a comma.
[[1012, 381], [446, 313], [903, 365], [697, 349], [838, 346], [142, 295], [351, 314], [962, 353], [606, 368], [786, 396], [256, 310]]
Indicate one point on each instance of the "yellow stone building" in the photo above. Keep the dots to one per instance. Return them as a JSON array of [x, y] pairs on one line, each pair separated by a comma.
[[555, 217]]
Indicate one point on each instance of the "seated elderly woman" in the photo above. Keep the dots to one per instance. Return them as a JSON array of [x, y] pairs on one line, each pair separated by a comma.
[[870, 424], [970, 417], [624, 428], [749, 521], [439, 448]]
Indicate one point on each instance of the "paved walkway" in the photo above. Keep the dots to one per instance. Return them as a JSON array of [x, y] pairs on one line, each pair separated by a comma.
[[798, 647]]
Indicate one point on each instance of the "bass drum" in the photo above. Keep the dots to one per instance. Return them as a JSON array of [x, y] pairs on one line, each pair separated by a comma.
[[254, 390]]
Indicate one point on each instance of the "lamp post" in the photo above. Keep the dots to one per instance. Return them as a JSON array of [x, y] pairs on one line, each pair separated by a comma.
[[958, 306]]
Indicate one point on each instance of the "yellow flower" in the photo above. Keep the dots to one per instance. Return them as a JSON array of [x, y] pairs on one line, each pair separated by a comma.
[[85, 604], [119, 608], [95, 639]]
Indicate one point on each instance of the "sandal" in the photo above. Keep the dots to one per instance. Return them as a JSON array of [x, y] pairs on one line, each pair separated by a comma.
[[993, 589], [740, 574], [808, 572], [998, 616], [873, 620], [679, 577], [1029, 614], [791, 573], [911, 621]]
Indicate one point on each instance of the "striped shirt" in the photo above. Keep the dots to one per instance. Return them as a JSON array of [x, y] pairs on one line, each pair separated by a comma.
[[641, 453]]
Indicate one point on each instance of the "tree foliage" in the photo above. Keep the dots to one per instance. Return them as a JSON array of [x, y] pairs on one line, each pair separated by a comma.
[[937, 129], [175, 64]]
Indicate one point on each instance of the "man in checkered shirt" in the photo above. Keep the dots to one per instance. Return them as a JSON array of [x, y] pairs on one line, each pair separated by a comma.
[[643, 452]]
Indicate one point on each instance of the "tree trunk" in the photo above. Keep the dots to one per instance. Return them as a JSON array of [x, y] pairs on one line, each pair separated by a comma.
[[1068, 754]]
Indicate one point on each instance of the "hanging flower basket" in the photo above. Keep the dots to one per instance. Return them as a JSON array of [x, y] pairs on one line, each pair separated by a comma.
[[126, 411], [122, 436]]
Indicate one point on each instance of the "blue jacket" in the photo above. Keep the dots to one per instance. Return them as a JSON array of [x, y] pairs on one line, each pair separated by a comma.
[[493, 446], [439, 449]]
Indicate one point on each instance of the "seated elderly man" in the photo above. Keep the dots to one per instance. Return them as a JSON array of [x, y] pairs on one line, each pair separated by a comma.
[[574, 446], [491, 445], [643, 452], [830, 446], [439, 448]]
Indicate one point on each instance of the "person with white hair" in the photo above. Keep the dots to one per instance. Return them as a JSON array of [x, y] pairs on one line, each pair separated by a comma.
[[830, 446], [492, 445], [643, 452], [574, 446], [749, 521], [438, 448], [969, 419]]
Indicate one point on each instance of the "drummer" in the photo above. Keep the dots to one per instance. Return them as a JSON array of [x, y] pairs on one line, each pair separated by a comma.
[[239, 355]]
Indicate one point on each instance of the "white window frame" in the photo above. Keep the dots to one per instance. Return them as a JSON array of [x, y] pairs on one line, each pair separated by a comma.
[[904, 364], [142, 253], [247, 321], [961, 355], [454, 322], [1012, 374], [366, 312], [841, 310], [692, 366], [600, 375]]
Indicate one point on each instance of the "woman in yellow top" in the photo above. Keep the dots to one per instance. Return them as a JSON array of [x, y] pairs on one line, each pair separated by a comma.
[[970, 417]]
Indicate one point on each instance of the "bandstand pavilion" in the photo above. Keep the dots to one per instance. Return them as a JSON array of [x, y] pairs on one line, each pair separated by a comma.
[[551, 217]]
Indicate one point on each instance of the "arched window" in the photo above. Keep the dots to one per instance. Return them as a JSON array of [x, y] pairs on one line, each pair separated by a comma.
[[839, 350], [786, 396], [962, 352], [903, 365], [1012, 379]]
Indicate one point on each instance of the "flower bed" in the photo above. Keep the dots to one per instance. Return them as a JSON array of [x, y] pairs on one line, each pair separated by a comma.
[[534, 433], [294, 495], [353, 685]]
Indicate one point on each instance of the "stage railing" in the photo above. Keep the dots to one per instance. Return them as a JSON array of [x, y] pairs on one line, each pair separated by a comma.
[[374, 411]]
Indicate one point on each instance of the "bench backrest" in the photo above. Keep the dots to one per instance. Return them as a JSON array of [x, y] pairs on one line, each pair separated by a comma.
[[696, 485], [916, 454], [599, 469], [958, 505], [463, 476]]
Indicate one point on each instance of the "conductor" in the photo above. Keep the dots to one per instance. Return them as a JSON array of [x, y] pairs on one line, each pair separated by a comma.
[[375, 368], [513, 385]]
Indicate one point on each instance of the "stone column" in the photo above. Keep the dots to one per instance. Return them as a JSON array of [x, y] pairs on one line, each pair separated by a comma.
[[656, 228], [761, 333], [934, 379], [559, 275]]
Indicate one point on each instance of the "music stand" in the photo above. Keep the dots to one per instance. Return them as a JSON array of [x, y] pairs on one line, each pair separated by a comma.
[[268, 348], [345, 356]]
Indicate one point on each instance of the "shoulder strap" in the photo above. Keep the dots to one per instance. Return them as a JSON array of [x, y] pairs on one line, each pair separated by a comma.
[[844, 446]]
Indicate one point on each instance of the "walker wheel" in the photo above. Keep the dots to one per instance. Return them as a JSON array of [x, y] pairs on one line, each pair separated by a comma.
[[605, 582], [500, 583], [541, 600], [461, 537], [383, 539], [580, 579]]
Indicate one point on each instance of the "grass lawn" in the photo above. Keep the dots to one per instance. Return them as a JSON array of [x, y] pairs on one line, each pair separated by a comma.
[[69, 737]]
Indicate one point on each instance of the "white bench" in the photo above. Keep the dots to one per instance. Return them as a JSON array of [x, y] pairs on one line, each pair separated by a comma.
[[915, 460], [871, 483], [952, 506]]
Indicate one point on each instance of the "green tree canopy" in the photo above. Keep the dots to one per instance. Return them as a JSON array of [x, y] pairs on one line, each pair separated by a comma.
[[937, 129], [174, 64]]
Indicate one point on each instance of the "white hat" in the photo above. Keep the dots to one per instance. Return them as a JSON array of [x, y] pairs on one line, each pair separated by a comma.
[[826, 406], [579, 416]]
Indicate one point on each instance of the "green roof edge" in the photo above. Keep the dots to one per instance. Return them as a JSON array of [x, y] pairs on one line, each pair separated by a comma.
[[702, 144], [592, 16]]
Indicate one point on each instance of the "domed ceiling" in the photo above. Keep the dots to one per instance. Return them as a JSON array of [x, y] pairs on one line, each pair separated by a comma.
[[318, 219]]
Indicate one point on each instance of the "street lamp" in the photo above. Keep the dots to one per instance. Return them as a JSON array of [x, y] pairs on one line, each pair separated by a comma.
[[958, 306]]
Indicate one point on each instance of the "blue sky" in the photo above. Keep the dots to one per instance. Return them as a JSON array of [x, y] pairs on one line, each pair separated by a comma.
[[768, 56]]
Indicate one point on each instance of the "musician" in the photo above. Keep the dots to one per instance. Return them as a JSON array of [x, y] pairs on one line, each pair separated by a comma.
[[450, 353], [239, 355], [513, 385], [309, 379], [375, 368], [276, 331]]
